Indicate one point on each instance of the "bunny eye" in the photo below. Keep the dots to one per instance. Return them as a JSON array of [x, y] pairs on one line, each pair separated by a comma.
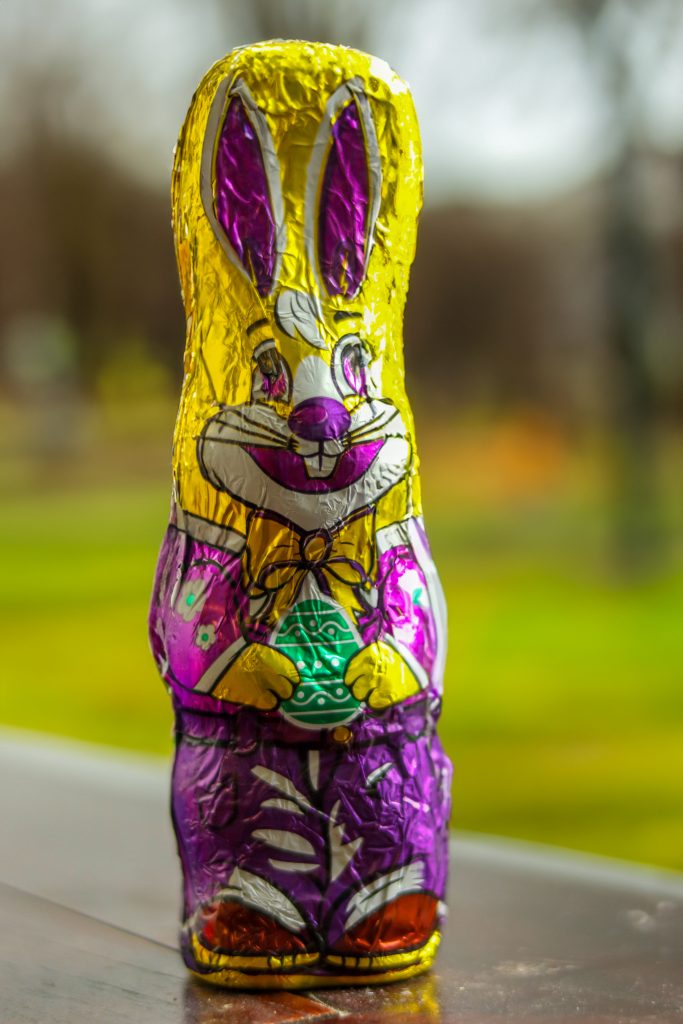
[[351, 362], [272, 377]]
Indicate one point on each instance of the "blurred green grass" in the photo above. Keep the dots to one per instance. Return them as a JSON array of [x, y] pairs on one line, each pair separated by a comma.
[[563, 711]]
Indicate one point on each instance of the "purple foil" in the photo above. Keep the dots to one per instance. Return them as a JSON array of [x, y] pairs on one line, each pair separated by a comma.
[[242, 197], [218, 761], [344, 207], [319, 419], [287, 468]]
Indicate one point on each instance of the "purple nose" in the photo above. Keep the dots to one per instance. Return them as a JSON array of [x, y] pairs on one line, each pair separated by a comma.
[[319, 419]]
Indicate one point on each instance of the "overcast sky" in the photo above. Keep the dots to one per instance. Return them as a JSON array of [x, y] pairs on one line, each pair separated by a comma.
[[513, 104]]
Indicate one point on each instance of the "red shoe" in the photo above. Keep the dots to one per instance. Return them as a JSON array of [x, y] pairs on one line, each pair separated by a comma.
[[228, 943], [229, 927], [405, 923]]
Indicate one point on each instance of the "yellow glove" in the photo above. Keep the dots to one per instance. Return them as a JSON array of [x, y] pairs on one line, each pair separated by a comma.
[[259, 676], [379, 675]]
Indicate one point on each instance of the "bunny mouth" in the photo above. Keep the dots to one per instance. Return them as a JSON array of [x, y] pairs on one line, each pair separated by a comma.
[[316, 473]]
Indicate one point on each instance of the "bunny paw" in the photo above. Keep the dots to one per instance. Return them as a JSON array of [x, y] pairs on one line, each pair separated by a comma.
[[260, 677], [379, 676]]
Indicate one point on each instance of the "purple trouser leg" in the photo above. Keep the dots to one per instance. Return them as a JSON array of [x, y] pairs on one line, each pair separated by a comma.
[[338, 832]]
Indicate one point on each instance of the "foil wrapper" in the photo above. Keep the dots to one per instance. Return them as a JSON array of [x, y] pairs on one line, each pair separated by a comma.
[[297, 618]]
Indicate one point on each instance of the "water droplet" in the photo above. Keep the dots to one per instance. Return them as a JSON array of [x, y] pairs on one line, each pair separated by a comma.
[[317, 664], [301, 664]]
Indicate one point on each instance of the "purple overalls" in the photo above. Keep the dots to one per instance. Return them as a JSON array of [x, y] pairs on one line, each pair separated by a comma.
[[319, 832]]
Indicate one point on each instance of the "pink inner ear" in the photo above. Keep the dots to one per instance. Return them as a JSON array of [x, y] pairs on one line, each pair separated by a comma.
[[242, 197], [344, 202]]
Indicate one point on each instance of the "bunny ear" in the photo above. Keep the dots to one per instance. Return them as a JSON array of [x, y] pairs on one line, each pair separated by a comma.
[[241, 185], [349, 193]]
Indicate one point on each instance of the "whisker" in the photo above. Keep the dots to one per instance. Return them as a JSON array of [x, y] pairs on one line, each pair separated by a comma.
[[253, 426], [242, 436], [383, 416], [266, 427], [369, 430], [265, 439], [253, 430], [245, 439]]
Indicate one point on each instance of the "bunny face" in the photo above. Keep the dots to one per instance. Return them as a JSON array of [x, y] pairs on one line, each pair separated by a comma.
[[316, 440], [296, 186]]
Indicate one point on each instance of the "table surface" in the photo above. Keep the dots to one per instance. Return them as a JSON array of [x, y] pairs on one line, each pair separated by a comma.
[[89, 894]]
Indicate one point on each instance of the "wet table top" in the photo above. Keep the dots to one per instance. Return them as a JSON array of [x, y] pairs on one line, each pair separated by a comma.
[[89, 898]]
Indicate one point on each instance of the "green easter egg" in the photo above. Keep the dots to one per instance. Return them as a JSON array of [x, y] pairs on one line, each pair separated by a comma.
[[319, 638]]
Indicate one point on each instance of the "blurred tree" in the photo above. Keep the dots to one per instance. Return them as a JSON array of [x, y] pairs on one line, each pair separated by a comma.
[[91, 245], [624, 41]]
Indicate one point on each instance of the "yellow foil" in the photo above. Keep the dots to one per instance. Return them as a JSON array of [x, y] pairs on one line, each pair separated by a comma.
[[289, 972], [291, 83]]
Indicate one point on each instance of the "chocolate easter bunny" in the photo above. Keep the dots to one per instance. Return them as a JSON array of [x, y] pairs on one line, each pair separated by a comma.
[[297, 618]]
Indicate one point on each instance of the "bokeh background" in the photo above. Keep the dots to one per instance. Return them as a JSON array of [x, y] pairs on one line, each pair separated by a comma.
[[544, 344]]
